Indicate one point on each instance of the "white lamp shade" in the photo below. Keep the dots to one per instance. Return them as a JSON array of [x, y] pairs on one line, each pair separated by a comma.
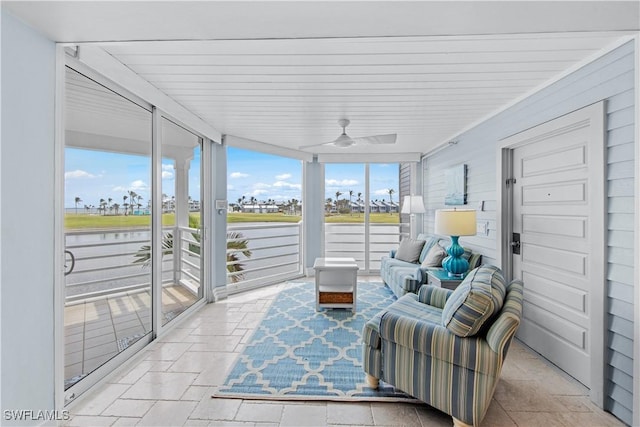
[[412, 205], [455, 222]]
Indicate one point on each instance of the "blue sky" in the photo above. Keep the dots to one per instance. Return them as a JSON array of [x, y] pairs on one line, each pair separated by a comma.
[[265, 176], [92, 175]]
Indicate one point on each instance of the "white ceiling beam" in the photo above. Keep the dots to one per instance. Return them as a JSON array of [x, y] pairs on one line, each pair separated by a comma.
[[250, 144], [105, 64], [368, 158]]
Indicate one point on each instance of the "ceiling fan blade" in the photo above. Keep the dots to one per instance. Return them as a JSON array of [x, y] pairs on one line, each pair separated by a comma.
[[377, 139], [302, 147]]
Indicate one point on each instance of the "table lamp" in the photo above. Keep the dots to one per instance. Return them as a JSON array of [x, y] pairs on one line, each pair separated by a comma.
[[455, 223]]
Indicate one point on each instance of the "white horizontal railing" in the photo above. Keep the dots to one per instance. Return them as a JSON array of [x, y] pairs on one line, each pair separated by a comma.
[[276, 254], [104, 261], [349, 240]]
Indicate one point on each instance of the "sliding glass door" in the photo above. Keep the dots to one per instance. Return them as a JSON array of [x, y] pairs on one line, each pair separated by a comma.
[[362, 212], [115, 299], [107, 225], [182, 262]]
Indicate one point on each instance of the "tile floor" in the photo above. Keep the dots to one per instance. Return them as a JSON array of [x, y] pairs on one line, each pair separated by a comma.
[[170, 384]]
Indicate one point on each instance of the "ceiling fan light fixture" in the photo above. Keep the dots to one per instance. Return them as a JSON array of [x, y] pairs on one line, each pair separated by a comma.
[[343, 141]]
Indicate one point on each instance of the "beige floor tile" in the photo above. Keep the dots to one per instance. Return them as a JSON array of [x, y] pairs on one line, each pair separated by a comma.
[[126, 421], [350, 413], [99, 400], [128, 408], [216, 409], [519, 395], [222, 343], [496, 416], [197, 393], [299, 415], [538, 419], [260, 412], [168, 413], [168, 351], [216, 373], [196, 423], [397, 414], [590, 419], [85, 420], [431, 417], [176, 335], [160, 386], [198, 362]]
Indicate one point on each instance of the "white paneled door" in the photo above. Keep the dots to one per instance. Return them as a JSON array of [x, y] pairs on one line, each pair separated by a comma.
[[558, 218]]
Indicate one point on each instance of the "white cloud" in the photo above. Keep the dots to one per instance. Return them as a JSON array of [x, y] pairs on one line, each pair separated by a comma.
[[138, 185], [283, 184], [261, 185], [78, 173], [343, 182], [382, 192], [283, 176], [167, 174], [238, 175], [259, 192], [166, 167]]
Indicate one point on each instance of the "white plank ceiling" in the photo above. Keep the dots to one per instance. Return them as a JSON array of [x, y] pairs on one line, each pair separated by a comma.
[[290, 90]]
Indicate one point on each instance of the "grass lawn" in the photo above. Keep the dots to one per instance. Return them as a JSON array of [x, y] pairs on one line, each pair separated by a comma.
[[83, 221]]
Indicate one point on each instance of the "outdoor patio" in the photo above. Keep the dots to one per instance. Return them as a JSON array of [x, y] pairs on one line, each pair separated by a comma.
[[99, 328]]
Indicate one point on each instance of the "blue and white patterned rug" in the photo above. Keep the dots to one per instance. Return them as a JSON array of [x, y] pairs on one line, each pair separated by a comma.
[[298, 353]]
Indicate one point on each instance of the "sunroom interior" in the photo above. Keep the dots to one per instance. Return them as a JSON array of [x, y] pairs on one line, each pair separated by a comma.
[[168, 89]]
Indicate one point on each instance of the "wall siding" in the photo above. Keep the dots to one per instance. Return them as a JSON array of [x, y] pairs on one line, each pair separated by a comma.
[[609, 78], [404, 180]]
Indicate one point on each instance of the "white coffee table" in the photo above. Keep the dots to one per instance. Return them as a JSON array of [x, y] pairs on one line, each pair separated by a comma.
[[336, 283]]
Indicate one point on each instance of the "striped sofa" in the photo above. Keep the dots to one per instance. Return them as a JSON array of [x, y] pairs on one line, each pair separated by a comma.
[[405, 277], [449, 359]]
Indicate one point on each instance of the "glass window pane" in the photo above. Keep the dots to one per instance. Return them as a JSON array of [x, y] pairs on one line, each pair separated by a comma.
[[264, 218], [107, 225], [181, 220], [384, 230], [344, 211]]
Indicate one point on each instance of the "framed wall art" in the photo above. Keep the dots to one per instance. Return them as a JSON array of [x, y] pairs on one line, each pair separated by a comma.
[[456, 185]]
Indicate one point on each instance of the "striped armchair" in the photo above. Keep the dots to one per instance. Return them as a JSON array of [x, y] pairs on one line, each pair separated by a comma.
[[449, 359]]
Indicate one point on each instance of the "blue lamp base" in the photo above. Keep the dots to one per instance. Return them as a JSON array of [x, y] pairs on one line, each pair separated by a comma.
[[454, 264]]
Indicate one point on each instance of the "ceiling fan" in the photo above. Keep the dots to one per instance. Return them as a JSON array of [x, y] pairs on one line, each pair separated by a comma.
[[344, 140]]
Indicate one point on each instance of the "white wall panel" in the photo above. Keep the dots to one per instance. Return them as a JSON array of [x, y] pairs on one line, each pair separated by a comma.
[[610, 78]]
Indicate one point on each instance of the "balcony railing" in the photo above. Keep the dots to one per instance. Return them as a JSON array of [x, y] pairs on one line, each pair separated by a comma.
[[349, 240], [103, 261], [276, 254]]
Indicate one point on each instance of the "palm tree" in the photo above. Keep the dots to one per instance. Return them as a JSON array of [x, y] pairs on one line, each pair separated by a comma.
[[390, 191], [350, 196], [77, 200], [115, 207], [328, 203], [338, 194], [236, 244], [359, 201], [103, 206], [132, 198]]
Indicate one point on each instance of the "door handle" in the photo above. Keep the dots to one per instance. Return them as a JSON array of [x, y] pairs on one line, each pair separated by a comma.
[[515, 243]]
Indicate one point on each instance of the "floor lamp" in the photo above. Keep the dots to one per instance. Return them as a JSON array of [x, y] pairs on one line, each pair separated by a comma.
[[412, 205]]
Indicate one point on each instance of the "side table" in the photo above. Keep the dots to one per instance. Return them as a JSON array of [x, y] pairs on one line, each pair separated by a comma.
[[336, 283], [441, 279]]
